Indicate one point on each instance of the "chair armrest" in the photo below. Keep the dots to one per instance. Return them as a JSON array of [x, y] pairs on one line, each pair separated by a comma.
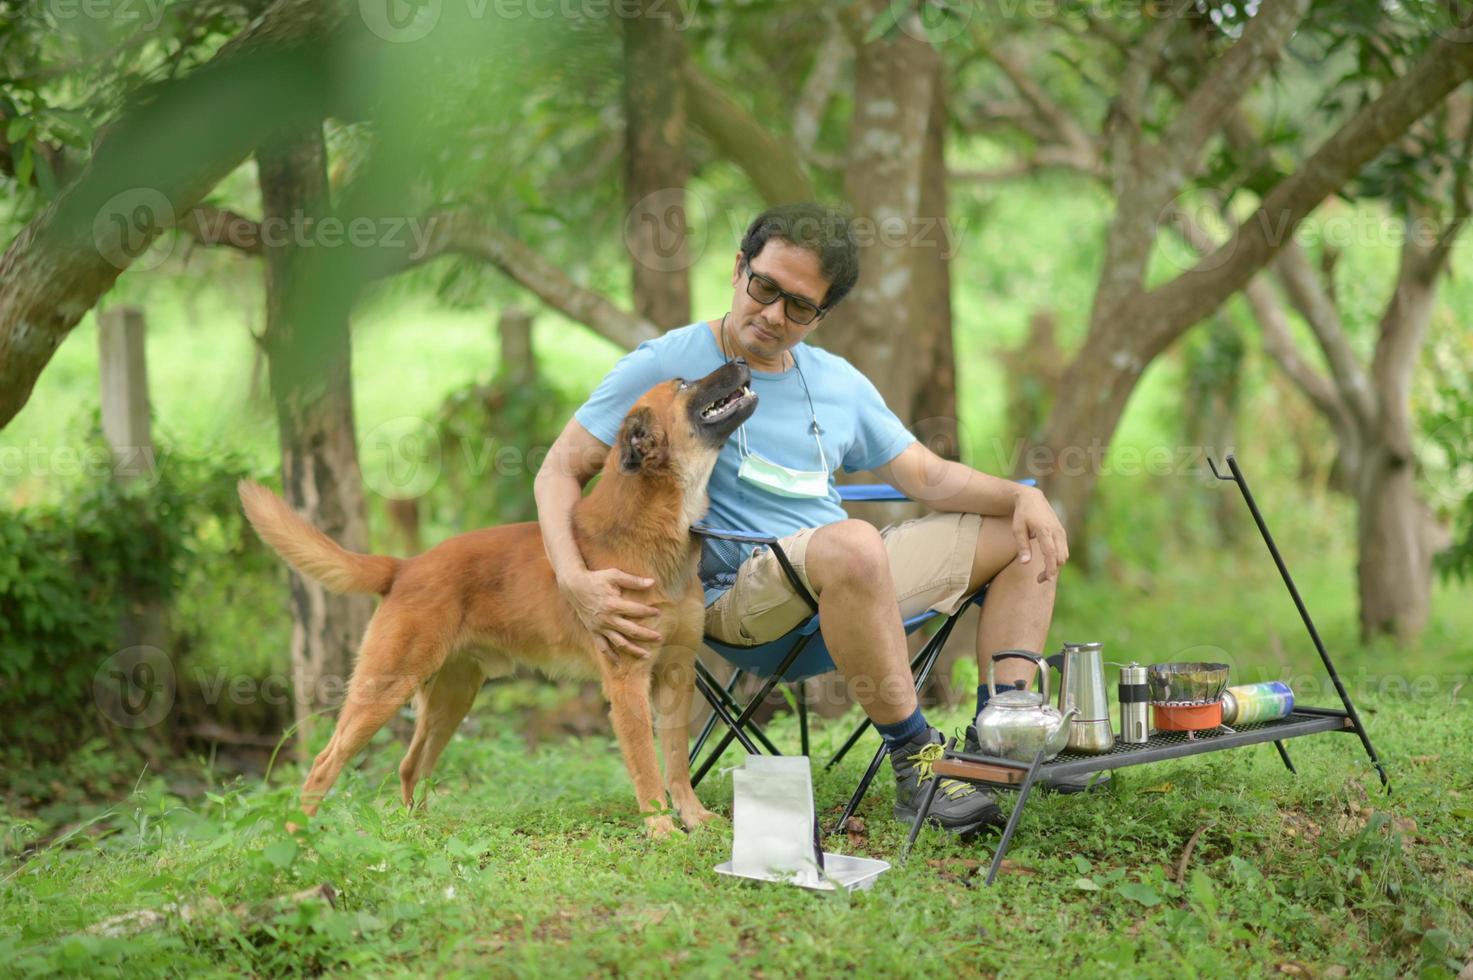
[[721, 534], [883, 491], [747, 537], [870, 491]]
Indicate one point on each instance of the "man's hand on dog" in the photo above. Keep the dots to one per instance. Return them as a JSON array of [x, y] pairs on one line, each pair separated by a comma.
[[598, 599], [1034, 520]]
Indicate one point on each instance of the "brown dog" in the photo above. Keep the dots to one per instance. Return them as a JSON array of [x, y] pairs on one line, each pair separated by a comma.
[[478, 604]]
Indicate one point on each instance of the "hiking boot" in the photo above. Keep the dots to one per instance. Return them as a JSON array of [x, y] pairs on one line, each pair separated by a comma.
[[961, 808], [1085, 781]]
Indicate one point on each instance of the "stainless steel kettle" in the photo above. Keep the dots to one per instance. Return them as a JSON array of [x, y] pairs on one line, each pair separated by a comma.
[[1017, 723]]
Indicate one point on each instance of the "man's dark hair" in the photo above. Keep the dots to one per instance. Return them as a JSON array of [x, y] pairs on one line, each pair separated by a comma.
[[827, 232]]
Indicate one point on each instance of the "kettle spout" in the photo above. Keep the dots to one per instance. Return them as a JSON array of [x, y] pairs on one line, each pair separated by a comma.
[[1060, 736]]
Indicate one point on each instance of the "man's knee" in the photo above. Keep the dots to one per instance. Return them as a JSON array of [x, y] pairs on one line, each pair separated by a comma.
[[997, 552], [847, 551]]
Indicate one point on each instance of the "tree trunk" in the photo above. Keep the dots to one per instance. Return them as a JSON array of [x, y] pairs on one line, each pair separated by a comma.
[[155, 162], [933, 409], [1130, 327], [655, 168], [894, 79], [314, 413], [1396, 533]]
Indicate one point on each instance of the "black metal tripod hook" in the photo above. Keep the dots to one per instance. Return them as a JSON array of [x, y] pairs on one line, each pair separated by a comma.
[[1213, 467]]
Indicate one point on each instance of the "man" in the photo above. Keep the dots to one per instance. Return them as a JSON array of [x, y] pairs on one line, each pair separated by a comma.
[[814, 411]]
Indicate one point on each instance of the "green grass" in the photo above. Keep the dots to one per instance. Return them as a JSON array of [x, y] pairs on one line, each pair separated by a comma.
[[530, 859], [531, 862]]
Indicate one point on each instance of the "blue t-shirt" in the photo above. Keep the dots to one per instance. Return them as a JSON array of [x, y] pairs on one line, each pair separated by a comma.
[[859, 433]]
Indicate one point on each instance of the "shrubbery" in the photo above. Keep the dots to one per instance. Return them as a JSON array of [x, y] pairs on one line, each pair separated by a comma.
[[69, 572]]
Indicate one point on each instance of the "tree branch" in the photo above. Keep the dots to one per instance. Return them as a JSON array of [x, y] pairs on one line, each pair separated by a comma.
[[769, 163], [1231, 77], [463, 234], [1174, 306], [1064, 126], [221, 227], [1278, 341], [818, 90], [70, 254], [1307, 294]]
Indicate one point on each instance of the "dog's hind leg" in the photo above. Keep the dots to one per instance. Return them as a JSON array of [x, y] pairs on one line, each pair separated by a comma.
[[440, 708], [674, 689], [627, 686], [396, 657]]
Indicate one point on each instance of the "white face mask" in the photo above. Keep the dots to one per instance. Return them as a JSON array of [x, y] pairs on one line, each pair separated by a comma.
[[775, 478]]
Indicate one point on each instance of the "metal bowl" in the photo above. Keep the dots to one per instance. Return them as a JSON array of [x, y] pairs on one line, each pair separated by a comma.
[[1186, 683]]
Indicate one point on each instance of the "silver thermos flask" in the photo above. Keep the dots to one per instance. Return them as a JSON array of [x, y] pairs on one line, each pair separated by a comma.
[[1134, 701]]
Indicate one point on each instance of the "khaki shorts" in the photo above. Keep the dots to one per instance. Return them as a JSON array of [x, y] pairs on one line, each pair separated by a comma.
[[930, 562]]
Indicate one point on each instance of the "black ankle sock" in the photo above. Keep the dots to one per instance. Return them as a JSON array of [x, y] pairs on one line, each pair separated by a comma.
[[900, 732]]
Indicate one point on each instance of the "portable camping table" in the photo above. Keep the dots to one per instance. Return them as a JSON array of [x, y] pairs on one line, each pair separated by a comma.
[[1161, 744]]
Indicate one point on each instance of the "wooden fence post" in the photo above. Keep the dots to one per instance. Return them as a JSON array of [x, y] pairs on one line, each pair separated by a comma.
[[124, 375], [143, 630]]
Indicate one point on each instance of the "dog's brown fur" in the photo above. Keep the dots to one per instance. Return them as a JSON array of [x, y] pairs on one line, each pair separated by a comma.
[[479, 603]]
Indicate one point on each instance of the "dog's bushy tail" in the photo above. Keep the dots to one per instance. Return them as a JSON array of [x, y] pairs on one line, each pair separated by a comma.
[[308, 550]]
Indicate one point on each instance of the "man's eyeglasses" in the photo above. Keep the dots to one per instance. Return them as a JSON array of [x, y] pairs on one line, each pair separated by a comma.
[[765, 291]]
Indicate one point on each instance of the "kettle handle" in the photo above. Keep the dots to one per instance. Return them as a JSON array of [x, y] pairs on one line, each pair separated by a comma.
[[1015, 655]]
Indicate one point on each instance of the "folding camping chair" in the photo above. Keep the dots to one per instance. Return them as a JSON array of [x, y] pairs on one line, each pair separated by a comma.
[[803, 655]]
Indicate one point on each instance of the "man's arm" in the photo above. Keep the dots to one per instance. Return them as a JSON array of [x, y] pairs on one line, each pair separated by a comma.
[[597, 597], [948, 486], [573, 460]]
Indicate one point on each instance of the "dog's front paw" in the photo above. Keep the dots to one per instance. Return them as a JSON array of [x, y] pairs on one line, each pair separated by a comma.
[[659, 825], [695, 816]]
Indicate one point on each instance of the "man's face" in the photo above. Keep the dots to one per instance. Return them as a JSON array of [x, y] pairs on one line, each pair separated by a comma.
[[766, 331]]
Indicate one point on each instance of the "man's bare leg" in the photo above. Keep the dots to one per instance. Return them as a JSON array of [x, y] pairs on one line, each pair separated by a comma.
[[1018, 610], [848, 567]]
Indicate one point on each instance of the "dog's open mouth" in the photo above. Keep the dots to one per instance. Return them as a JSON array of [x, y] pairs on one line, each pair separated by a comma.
[[727, 404]]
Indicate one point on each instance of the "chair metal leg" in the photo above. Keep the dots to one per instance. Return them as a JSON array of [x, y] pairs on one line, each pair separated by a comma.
[[725, 690], [802, 699], [861, 789], [1284, 754], [724, 694], [732, 728]]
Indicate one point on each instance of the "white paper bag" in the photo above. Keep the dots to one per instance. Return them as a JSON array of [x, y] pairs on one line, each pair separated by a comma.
[[774, 829]]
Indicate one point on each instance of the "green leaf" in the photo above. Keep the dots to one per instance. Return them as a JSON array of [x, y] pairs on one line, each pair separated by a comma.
[[24, 166], [1086, 884], [18, 129], [281, 853], [1082, 864], [883, 23], [1139, 891]]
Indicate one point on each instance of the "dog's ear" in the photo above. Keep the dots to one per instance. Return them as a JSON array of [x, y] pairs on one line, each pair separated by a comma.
[[642, 443]]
